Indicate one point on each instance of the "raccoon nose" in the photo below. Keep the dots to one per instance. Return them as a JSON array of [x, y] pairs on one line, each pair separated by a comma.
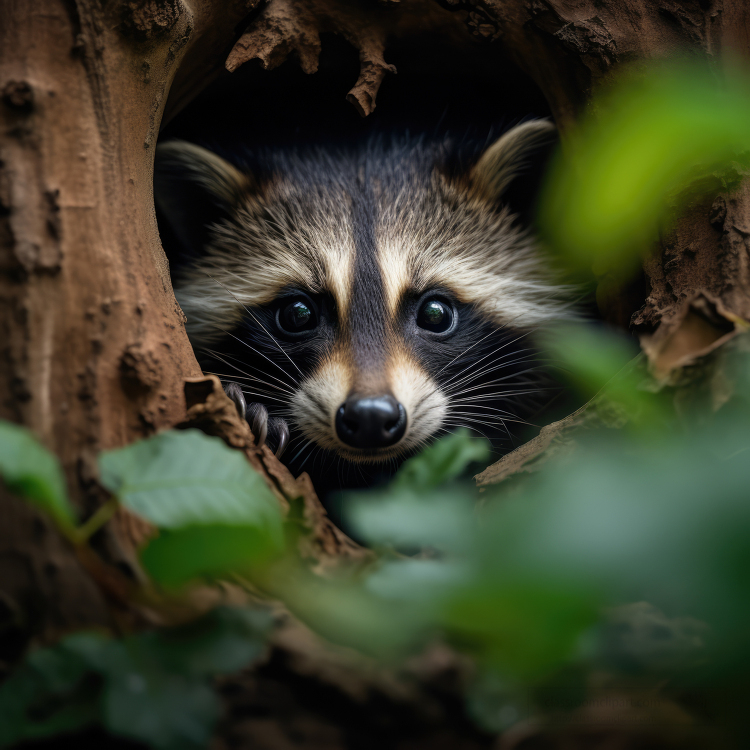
[[371, 421]]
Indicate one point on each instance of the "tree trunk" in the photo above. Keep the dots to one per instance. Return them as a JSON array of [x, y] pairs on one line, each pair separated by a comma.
[[93, 347], [94, 351], [569, 48]]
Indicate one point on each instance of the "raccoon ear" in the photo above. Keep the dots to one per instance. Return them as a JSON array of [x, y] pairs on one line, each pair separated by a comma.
[[194, 188], [510, 171]]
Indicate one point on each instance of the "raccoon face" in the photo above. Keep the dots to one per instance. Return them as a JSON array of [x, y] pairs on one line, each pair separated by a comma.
[[370, 298]]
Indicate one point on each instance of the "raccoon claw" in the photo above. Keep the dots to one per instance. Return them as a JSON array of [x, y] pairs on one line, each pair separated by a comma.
[[278, 435], [261, 425], [257, 417], [235, 393]]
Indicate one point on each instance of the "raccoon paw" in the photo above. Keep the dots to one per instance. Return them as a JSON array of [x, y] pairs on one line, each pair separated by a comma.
[[278, 435], [273, 430]]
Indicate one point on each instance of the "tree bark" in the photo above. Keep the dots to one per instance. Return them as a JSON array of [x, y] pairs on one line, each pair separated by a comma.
[[93, 351], [569, 48]]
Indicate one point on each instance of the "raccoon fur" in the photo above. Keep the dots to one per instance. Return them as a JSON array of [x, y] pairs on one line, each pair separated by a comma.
[[359, 302]]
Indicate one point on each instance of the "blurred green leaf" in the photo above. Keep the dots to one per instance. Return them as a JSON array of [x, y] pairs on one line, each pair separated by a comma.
[[221, 642], [414, 580], [152, 687], [46, 696], [347, 613], [420, 506], [184, 478], [440, 519], [642, 143], [166, 711], [179, 556], [496, 703], [600, 362], [32, 472], [524, 627], [441, 462], [589, 354], [215, 513]]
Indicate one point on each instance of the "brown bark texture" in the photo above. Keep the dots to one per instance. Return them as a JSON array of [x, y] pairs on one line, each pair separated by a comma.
[[570, 48], [93, 351]]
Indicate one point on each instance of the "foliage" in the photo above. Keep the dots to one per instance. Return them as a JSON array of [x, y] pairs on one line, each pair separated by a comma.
[[525, 580], [641, 145], [32, 472], [152, 686], [214, 511]]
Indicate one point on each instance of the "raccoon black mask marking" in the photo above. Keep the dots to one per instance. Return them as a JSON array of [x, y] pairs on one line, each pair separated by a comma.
[[357, 303]]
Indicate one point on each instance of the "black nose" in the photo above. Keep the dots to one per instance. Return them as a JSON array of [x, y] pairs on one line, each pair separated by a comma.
[[371, 421]]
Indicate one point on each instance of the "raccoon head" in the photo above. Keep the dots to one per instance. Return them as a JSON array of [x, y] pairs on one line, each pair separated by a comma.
[[373, 298]]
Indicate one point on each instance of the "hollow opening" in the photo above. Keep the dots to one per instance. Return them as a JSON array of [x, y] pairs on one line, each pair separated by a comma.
[[446, 85], [456, 84]]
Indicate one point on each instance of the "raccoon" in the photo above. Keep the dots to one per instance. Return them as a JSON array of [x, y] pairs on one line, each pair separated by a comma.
[[357, 302]]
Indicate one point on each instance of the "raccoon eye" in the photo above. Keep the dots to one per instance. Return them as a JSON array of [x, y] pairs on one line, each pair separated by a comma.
[[435, 316], [297, 316]]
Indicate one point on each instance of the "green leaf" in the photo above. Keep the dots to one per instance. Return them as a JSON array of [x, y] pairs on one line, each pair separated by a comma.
[[590, 354], [225, 640], [415, 580], [598, 361], [157, 687], [162, 709], [526, 628], [441, 462], [152, 687], [641, 146], [441, 518], [32, 472], [47, 695], [186, 478], [414, 509], [178, 556]]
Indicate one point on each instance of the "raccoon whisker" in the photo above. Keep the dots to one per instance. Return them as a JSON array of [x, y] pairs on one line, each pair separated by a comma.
[[507, 403], [499, 365], [493, 395], [476, 365], [298, 438], [512, 378], [492, 382], [280, 348], [252, 348], [468, 427], [288, 386], [491, 367], [296, 456], [476, 343], [227, 376], [275, 364], [522, 355], [485, 408], [487, 419], [262, 395], [494, 420], [494, 351], [308, 456], [496, 364], [480, 398], [448, 432], [475, 405], [483, 434], [499, 420]]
